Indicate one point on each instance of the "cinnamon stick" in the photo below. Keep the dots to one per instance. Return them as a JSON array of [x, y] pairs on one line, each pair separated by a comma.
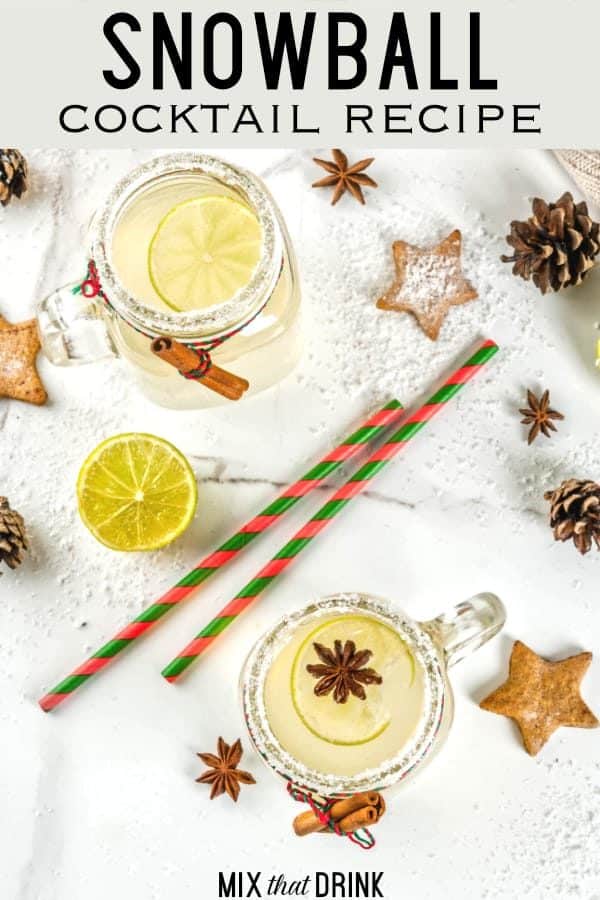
[[185, 360], [361, 818], [342, 813], [307, 823], [346, 807], [175, 354]]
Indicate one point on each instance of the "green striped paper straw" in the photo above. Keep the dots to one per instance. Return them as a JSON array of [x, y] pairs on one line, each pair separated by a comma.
[[374, 426], [332, 508]]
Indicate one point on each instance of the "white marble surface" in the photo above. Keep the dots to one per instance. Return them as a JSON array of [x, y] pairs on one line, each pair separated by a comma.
[[99, 798]]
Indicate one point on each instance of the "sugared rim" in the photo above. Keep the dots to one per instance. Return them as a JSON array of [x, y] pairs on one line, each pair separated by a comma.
[[391, 771], [213, 320]]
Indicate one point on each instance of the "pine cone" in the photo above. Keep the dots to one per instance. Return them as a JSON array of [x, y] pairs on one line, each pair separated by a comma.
[[575, 513], [557, 246], [13, 175], [13, 540]]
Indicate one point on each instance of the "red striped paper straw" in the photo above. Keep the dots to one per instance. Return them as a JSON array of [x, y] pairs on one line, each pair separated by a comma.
[[332, 508], [368, 432]]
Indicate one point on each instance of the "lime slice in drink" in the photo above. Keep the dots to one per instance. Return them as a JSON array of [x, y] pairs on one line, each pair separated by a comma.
[[204, 252], [356, 721], [136, 492]]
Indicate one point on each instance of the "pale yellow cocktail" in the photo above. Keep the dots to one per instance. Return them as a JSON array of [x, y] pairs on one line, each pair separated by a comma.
[[344, 695]]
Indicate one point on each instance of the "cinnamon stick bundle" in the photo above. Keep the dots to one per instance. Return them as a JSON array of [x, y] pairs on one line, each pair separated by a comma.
[[351, 814], [185, 360]]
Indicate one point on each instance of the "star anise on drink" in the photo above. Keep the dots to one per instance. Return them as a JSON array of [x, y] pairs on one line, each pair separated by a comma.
[[223, 773], [344, 177], [342, 670], [539, 415]]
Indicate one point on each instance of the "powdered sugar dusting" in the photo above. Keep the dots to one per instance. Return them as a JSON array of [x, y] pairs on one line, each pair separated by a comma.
[[429, 278]]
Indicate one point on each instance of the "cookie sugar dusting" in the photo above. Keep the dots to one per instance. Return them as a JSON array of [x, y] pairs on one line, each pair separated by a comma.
[[429, 281]]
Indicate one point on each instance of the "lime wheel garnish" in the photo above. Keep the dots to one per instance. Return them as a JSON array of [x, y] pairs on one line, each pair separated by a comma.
[[355, 721], [204, 252]]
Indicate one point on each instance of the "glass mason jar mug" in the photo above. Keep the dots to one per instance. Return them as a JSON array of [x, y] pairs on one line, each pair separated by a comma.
[[397, 717], [121, 308]]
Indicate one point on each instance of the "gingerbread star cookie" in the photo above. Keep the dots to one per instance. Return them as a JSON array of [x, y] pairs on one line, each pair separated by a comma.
[[429, 280], [542, 696], [19, 346]]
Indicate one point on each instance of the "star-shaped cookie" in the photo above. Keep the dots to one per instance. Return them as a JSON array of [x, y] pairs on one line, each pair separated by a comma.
[[429, 280], [542, 696], [19, 346]]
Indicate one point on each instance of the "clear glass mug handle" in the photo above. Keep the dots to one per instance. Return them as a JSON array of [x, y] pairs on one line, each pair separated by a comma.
[[468, 626], [74, 328]]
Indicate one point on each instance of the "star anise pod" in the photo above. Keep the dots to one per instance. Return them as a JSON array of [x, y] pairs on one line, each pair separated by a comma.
[[343, 671], [344, 177], [223, 772], [539, 415]]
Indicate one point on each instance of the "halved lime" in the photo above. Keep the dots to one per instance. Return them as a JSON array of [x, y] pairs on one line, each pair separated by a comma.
[[136, 492], [204, 252], [357, 721]]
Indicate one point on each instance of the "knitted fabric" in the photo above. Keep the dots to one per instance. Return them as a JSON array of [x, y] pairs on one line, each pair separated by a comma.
[[584, 168]]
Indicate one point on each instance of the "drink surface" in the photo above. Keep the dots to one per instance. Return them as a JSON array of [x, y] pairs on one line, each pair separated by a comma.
[[352, 737], [186, 242]]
